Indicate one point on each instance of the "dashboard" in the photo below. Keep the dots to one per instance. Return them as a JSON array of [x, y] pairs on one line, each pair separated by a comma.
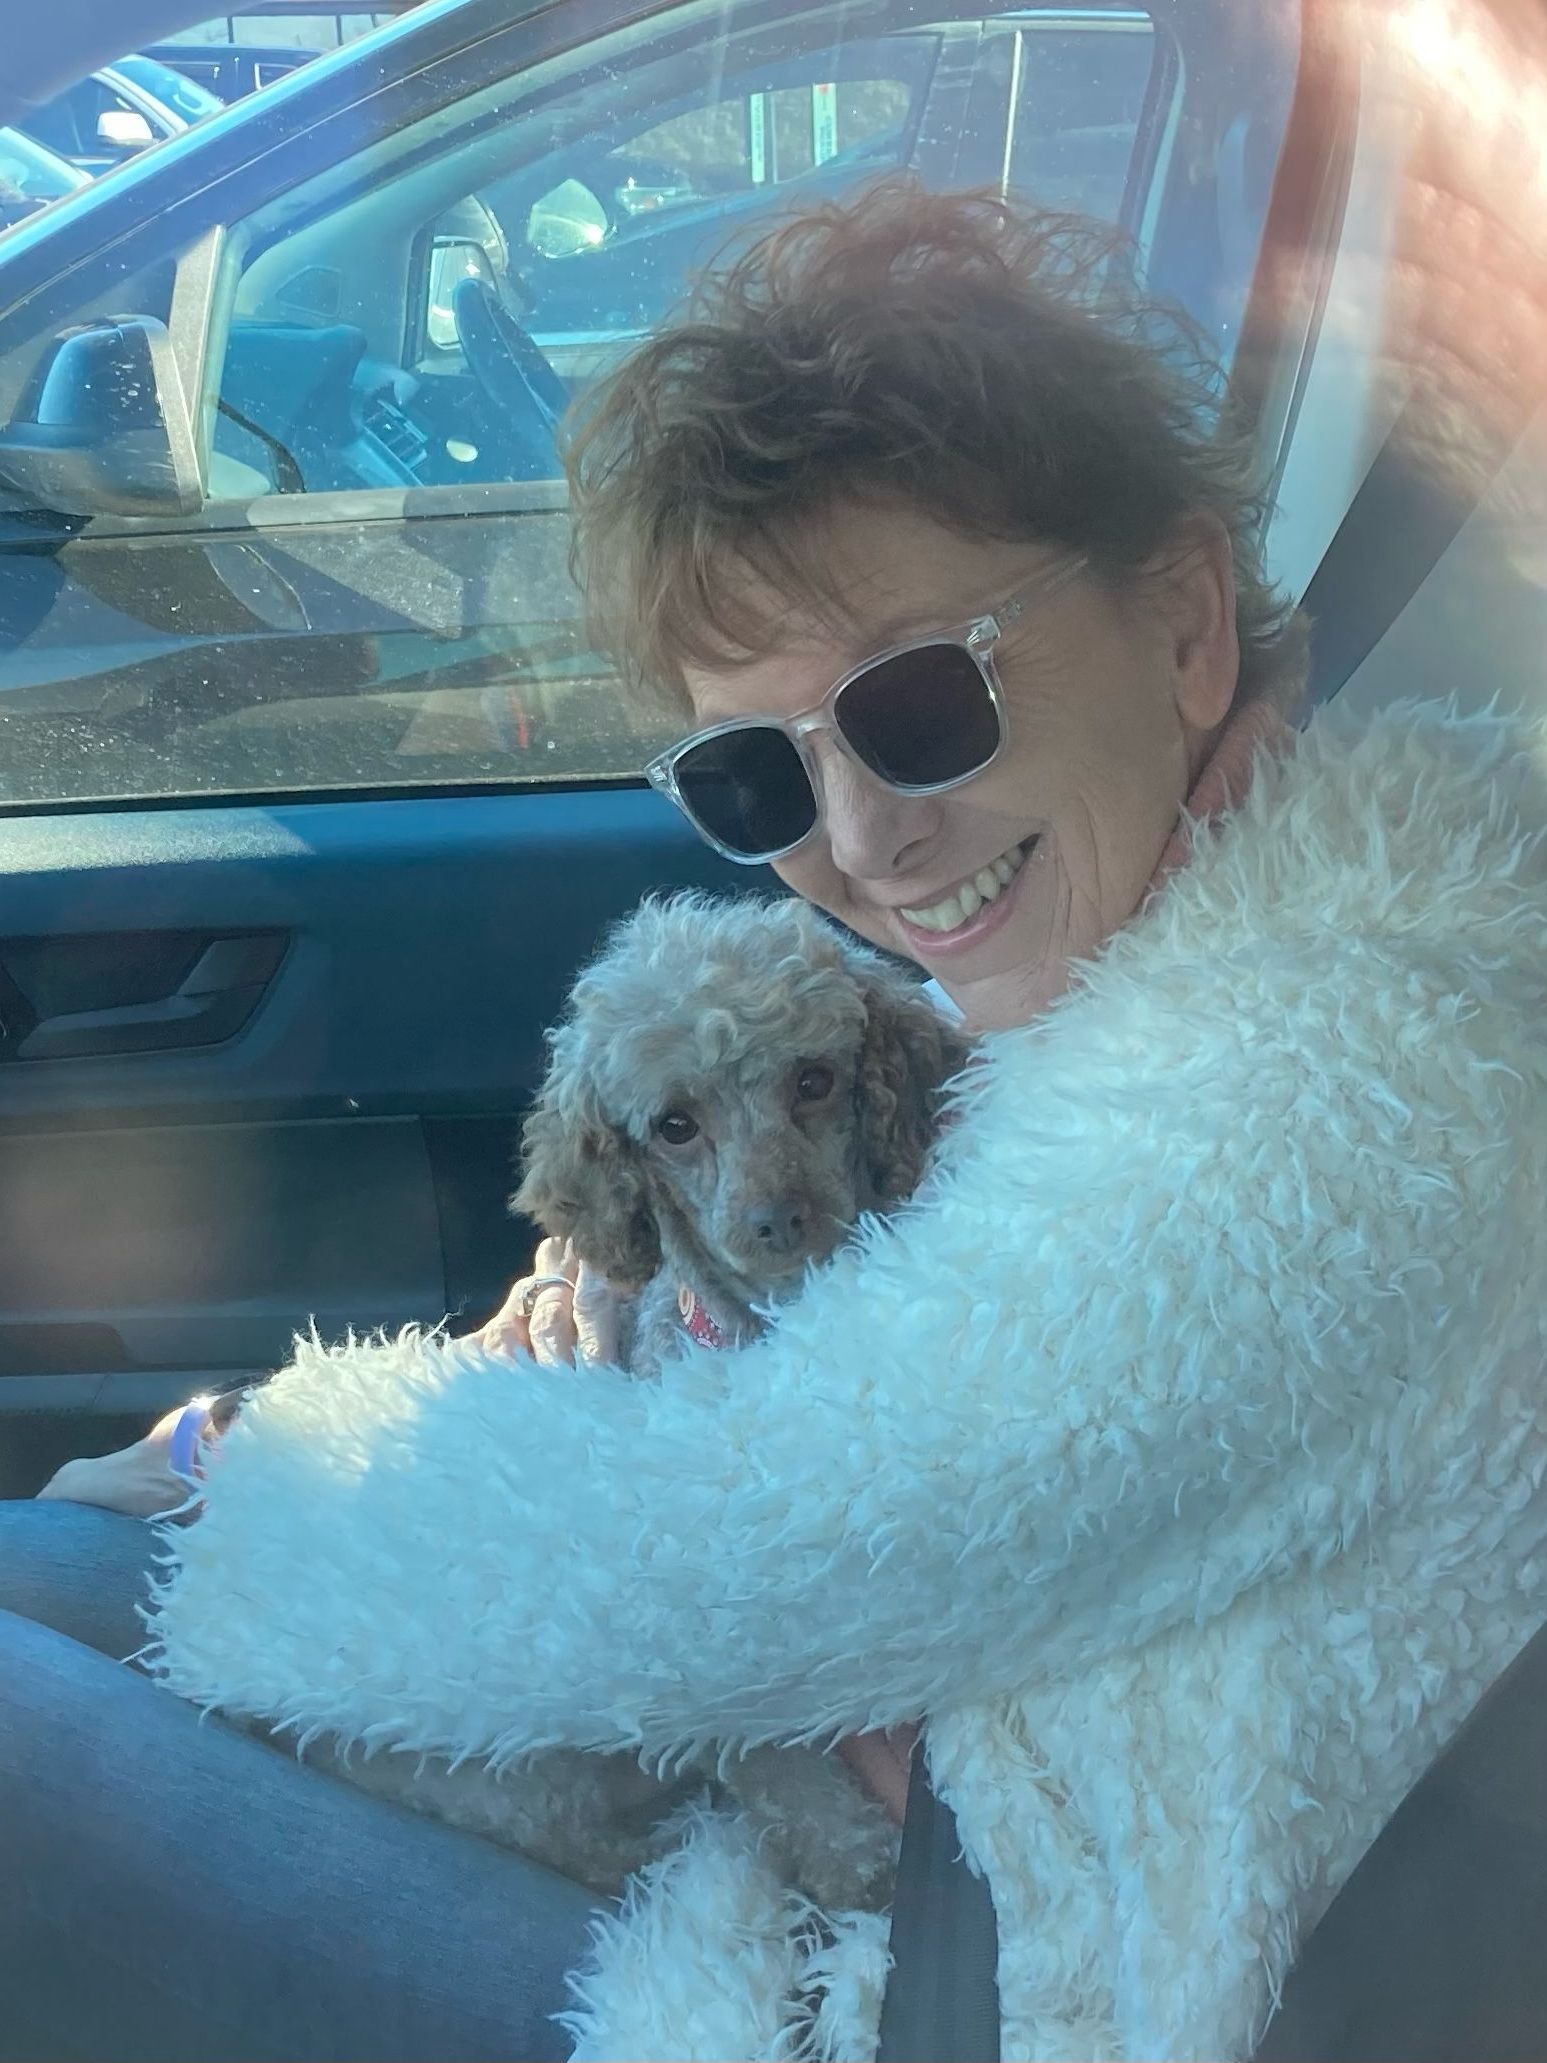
[[306, 408]]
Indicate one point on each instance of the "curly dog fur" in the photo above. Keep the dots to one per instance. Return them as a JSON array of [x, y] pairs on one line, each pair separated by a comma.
[[727, 1015]]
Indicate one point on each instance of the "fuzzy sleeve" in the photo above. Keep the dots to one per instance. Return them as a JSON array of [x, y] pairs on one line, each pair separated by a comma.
[[1202, 1280]]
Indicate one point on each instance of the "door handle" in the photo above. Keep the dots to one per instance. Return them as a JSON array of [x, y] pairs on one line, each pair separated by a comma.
[[211, 1003]]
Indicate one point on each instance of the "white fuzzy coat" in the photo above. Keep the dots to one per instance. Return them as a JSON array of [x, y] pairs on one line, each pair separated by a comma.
[[1179, 1452]]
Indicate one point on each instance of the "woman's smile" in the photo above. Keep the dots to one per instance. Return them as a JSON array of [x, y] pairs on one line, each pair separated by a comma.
[[971, 911], [949, 911]]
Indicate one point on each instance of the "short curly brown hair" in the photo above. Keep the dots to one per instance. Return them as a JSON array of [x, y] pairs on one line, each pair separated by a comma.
[[992, 366]]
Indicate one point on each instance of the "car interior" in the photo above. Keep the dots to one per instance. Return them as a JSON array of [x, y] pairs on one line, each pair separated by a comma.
[[298, 751], [312, 795]]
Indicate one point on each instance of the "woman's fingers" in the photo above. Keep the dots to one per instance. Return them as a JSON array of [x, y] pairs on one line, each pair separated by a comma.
[[553, 1329], [507, 1332], [595, 1318], [555, 1257], [138, 1480], [552, 1323]]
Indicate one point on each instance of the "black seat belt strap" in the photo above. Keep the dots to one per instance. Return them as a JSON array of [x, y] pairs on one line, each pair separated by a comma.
[[942, 1998], [1404, 518]]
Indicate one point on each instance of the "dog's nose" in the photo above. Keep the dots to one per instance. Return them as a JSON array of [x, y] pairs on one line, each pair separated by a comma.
[[777, 1228]]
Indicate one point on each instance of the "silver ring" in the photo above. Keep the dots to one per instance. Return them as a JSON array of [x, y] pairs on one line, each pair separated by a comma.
[[539, 1282]]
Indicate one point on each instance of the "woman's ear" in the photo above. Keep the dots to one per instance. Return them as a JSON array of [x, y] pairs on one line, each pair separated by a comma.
[[1195, 589], [909, 1053], [584, 1180]]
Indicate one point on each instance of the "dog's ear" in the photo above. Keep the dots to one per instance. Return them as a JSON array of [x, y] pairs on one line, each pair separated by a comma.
[[584, 1180], [909, 1053]]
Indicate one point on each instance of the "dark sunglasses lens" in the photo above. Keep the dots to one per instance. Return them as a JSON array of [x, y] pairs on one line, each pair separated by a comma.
[[748, 788], [921, 718]]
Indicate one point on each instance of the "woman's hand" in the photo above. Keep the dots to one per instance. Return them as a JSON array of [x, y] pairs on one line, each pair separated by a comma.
[[138, 1480], [573, 1317], [883, 1763]]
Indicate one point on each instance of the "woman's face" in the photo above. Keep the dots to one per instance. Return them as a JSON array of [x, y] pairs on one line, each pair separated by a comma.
[[1112, 702]]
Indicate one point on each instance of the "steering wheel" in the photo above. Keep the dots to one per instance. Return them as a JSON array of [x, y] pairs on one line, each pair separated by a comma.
[[527, 395]]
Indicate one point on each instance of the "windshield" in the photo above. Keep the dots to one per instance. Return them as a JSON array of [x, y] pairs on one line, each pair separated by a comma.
[[33, 172]]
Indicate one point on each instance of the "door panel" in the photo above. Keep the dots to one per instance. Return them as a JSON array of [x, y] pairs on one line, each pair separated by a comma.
[[170, 1218], [205, 1246]]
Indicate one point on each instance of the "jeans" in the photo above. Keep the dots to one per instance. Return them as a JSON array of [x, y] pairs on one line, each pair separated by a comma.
[[171, 1889]]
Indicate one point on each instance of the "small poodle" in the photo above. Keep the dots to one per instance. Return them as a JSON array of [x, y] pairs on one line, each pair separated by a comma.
[[733, 1085]]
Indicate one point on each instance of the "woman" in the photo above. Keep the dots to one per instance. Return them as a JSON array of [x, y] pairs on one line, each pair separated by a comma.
[[1175, 1459]]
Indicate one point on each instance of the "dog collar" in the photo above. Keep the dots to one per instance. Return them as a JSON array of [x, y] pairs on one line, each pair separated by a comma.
[[700, 1325]]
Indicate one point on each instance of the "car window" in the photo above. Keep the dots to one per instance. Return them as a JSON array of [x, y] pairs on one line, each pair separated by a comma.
[[638, 204], [1053, 113], [372, 591], [93, 120], [300, 29], [34, 174], [64, 122], [236, 54], [1078, 102], [184, 96], [596, 238], [595, 241], [293, 29], [758, 139]]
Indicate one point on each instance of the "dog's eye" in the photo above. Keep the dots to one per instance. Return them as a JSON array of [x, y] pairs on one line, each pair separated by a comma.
[[676, 1128], [814, 1083]]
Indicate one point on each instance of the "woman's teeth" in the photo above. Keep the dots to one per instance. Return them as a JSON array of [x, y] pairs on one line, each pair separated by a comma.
[[966, 901]]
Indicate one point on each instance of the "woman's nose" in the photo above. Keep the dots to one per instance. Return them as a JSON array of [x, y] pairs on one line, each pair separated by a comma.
[[871, 829]]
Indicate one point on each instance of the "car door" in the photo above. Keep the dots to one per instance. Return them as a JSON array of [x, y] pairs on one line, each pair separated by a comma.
[[312, 794]]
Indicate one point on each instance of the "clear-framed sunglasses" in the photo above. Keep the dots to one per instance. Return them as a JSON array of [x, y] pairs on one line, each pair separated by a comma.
[[920, 717]]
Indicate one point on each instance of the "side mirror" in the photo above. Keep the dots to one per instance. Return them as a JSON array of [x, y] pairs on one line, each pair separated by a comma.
[[121, 128], [105, 429], [567, 221]]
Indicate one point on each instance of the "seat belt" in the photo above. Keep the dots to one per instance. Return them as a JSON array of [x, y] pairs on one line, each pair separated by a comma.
[[1432, 1949], [942, 1998], [1402, 520]]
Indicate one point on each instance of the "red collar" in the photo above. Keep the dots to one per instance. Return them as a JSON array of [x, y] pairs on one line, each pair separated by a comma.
[[700, 1325]]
